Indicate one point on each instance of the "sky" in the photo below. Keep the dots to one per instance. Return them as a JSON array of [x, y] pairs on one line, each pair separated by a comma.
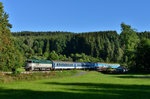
[[77, 15]]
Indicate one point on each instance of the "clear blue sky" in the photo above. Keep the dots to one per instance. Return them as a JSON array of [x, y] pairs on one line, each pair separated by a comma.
[[77, 15]]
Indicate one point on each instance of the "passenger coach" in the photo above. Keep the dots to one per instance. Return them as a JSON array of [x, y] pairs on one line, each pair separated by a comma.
[[70, 65], [34, 64]]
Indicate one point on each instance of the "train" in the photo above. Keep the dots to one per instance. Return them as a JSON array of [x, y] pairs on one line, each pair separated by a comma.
[[35, 64]]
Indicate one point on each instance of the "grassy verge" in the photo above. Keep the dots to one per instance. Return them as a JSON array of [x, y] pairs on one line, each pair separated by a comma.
[[36, 76]]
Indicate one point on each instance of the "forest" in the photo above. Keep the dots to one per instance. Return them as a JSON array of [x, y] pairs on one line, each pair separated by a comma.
[[130, 48]]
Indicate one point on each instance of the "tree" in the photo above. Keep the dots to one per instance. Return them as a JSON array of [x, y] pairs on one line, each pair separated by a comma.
[[142, 54], [9, 55], [39, 51], [129, 37], [129, 41], [53, 56], [47, 46]]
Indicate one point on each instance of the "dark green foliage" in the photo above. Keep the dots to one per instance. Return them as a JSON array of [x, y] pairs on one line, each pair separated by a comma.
[[129, 41], [53, 56], [144, 35], [48, 33], [97, 44], [142, 58], [10, 56]]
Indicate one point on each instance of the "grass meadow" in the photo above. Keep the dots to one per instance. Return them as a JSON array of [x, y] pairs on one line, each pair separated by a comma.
[[91, 85]]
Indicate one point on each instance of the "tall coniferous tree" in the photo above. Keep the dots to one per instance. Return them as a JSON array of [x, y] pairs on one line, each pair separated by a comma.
[[8, 53], [4, 36]]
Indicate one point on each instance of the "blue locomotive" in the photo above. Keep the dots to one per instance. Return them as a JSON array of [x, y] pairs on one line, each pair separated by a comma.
[[33, 64]]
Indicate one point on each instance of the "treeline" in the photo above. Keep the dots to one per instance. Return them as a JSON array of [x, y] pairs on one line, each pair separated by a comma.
[[130, 48], [101, 46], [48, 33]]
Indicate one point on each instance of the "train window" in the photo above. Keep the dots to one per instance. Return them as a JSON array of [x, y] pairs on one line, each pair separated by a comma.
[[78, 65]]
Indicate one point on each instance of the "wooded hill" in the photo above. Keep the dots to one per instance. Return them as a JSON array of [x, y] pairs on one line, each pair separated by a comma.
[[100, 46]]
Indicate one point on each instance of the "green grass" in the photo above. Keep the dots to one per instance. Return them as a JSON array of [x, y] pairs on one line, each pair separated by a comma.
[[35, 75], [92, 85], [21, 69]]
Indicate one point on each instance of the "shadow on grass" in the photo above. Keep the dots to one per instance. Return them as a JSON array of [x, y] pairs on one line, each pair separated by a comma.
[[125, 73], [81, 91], [129, 75], [139, 77]]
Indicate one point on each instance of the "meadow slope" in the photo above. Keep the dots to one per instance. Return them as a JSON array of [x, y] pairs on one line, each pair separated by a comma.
[[91, 85]]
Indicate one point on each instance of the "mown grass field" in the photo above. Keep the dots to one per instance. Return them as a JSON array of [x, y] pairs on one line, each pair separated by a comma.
[[91, 85]]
